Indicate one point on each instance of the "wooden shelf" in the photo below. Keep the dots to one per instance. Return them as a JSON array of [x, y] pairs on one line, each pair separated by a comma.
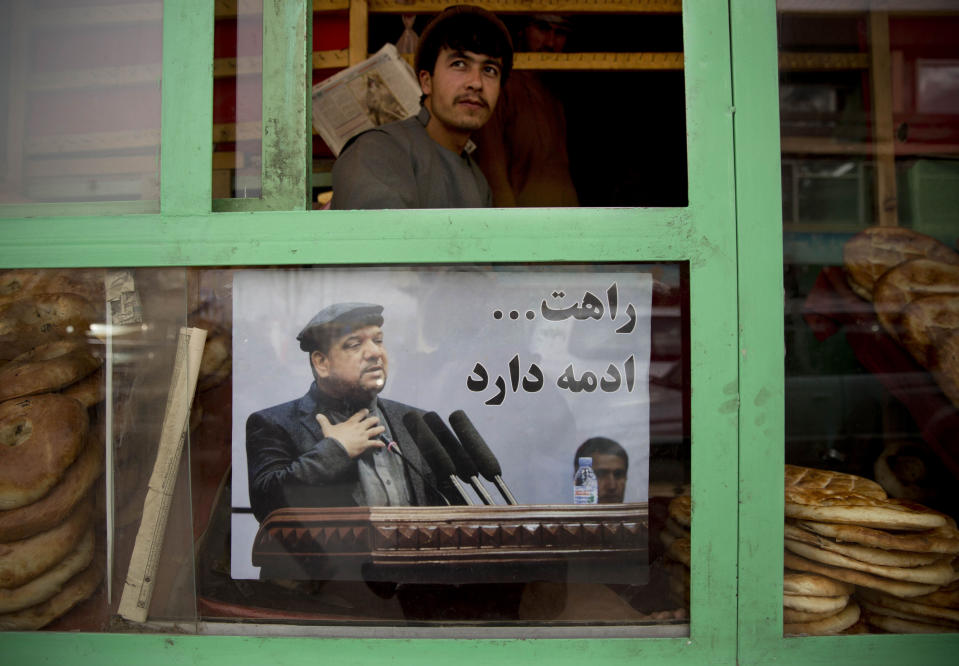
[[599, 61], [816, 62], [828, 146], [532, 6]]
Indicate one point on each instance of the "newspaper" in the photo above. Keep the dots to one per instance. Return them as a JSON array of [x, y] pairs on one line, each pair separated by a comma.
[[378, 90]]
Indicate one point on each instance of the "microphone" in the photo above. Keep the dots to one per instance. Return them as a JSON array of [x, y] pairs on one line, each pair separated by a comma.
[[485, 461], [434, 453], [465, 468], [394, 448]]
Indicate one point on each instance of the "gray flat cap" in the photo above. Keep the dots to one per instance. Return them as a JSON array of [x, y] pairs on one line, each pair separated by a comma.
[[342, 317]]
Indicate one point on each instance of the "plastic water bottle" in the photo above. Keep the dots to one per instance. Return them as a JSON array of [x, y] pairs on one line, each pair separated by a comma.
[[585, 486]]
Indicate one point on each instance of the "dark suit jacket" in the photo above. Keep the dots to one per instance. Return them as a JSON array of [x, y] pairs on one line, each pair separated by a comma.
[[291, 464]]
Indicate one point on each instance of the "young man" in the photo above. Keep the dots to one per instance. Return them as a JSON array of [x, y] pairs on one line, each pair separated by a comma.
[[464, 56], [328, 448]]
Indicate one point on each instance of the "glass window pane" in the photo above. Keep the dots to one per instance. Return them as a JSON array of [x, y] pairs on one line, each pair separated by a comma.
[[869, 144], [540, 146], [547, 364], [237, 99], [80, 100]]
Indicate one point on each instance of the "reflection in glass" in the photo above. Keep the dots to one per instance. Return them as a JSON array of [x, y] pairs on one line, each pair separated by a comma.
[[870, 138], [542, 561], [237, 100], [80, 101]]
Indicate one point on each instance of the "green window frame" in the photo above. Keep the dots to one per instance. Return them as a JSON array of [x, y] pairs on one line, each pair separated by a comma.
[[730, 234]]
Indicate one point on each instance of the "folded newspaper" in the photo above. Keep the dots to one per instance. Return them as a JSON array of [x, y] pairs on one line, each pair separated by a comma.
[[381, 89]]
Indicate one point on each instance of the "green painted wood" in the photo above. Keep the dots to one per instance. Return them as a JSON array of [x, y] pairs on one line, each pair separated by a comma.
[[287, 85], [80, 208], [762, 435], [759, 226], [337, 237], [173, 650], [186, 107], [713, 364]]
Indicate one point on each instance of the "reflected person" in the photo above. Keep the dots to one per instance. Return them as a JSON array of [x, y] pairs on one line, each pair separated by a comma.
[[610, 464]]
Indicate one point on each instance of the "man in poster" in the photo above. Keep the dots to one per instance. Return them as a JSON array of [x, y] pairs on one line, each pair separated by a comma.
[[336, 445]]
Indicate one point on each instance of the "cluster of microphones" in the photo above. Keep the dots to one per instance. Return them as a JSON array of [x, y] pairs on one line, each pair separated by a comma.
[[456, 456]]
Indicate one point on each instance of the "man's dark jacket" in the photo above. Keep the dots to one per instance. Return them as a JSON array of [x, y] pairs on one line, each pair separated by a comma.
[[291, 464]]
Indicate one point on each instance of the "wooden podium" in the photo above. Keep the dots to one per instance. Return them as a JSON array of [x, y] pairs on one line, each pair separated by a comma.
[[606, 543]]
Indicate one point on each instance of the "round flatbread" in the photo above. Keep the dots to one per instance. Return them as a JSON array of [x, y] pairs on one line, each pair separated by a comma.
[[77, 589], [872, 252], [216, 363], [908, 469], [42, 319], [889, 558], [89, 391], [46, 368], [855, 509], [829, 481], [680, 510], [842, 620], [40, 437], [20, 284], [22, 561], [860, 627], [51, 509], [926, 322], [795, 582], [51, 581], [913, 608], [943, 539], [810, 604], [907, 282], [861, 578], [946, 368], [666, 538], [899, 625], [792, 615], [939, 573], [675, 528], [946, 596], [678, 550]]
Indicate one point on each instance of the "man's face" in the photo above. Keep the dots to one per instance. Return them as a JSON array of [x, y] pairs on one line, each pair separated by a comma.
[[462, 90], [610, 472], [355, 366], [544, 36]]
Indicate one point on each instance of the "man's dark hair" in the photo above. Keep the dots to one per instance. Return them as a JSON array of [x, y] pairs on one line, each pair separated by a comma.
[[601, 445], [465, 28]]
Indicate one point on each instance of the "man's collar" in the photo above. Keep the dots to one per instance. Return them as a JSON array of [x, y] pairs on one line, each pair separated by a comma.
[[424, 119]]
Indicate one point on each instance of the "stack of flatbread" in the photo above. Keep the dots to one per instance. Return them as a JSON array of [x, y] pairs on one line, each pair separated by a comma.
[[913, 282], [675, 537], [51, 451], [845, 528]]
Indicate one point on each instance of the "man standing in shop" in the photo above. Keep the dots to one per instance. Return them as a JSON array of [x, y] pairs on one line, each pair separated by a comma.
[[522, 149], [464, 56], [335, 445]]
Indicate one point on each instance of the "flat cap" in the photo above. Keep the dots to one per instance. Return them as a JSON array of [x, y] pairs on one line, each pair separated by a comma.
[[341, 317]]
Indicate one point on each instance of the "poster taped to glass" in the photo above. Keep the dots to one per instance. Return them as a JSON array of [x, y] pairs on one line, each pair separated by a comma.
[[453, 387]]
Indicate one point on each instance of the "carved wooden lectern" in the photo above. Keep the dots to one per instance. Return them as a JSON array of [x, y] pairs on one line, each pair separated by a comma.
[[606, 543]]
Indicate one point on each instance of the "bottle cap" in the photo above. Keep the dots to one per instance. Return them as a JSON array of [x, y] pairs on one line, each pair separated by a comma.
[[585, 462]]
